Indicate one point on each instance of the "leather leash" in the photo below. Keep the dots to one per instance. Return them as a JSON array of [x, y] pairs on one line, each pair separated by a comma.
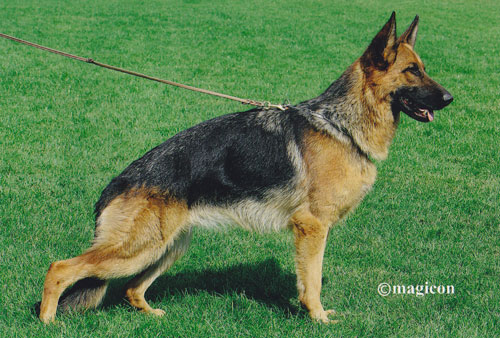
[[264, 104]]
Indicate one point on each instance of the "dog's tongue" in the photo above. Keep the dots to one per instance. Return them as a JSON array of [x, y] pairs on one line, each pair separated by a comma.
[[427, 113]]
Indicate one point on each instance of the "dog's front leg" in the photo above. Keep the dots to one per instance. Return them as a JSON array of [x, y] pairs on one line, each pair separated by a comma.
[[310, 241]]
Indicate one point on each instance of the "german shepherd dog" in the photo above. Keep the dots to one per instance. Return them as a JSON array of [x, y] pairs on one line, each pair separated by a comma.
[[303, 168]]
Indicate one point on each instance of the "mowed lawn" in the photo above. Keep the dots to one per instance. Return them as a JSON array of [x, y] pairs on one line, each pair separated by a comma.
[[67, 128]]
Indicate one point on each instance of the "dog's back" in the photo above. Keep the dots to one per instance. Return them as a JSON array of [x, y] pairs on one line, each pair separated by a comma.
[[227, 162]]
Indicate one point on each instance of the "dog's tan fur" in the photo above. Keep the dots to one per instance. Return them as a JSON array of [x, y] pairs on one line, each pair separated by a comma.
[[337, 179], [133, 235]]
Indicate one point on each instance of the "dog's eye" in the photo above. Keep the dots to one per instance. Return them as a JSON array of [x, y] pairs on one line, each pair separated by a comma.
[[414, 70]]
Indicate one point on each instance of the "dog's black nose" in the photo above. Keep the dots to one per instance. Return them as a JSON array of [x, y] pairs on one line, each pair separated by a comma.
[[447, 98]]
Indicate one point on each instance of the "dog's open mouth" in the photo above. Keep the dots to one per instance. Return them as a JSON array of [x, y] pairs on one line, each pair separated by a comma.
[[412, 109]]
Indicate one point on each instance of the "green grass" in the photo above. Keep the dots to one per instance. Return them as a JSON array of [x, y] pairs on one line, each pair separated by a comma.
[[66, 128]]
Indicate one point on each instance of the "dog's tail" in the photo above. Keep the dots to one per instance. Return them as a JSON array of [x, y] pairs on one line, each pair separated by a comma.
[[86, 294]]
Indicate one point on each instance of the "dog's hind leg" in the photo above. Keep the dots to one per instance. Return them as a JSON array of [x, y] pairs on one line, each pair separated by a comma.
[[133, 233], [136, 288], [61, 275]]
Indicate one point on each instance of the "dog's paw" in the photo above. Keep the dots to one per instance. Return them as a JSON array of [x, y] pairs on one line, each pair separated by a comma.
[[322, 316], [157, 312], [53, 322], [48, 318]]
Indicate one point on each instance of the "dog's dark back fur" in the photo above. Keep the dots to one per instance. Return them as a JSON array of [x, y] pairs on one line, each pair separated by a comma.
[[225, 159]]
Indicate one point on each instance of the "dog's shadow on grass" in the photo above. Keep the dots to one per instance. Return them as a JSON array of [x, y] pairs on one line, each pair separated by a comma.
[[264, 282]]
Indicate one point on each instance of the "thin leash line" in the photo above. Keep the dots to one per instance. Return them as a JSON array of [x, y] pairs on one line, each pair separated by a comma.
[[264, 104]]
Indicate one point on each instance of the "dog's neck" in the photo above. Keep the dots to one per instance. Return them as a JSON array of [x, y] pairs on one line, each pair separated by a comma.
[[349, 110]]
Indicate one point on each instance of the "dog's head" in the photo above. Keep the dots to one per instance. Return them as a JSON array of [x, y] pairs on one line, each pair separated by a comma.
[[392, 68]]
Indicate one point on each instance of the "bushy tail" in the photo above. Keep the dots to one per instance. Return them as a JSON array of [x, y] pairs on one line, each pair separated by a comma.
[[85, 294]]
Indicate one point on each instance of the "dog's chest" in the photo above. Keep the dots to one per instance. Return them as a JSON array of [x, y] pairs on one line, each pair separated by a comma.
[[338, 176]]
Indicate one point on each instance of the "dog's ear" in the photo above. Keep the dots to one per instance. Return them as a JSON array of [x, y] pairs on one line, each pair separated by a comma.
[[382, 50], [410, 35]]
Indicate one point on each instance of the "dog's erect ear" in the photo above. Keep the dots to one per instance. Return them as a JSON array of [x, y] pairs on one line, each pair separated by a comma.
[[382, 49], [410, 35]]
